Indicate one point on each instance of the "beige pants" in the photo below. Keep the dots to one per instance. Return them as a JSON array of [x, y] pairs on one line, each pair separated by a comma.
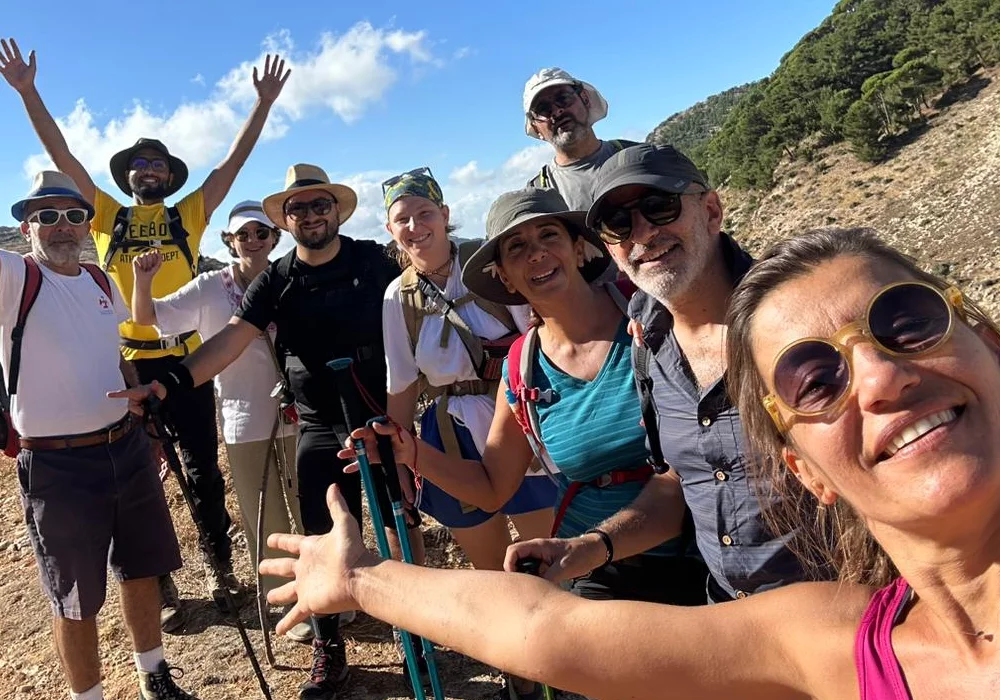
[[246, 462]]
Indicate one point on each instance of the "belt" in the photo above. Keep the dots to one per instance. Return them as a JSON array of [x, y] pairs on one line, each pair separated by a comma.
[[158, 344], [105, 436], [615, 477]]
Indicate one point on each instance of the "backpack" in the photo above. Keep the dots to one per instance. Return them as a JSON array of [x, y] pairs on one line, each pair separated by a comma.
[[9, 439], [121, 242], [421, 298], [543, 179]]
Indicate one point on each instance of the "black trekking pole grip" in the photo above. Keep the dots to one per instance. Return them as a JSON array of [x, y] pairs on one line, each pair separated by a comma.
[[387, 457], [529, 565], [153, 406], [349, 400]]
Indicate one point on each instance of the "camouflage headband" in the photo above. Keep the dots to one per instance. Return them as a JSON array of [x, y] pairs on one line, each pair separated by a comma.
[[415, 183]]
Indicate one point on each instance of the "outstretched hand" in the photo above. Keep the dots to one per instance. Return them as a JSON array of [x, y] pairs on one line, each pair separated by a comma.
[[269, 86], [322, 572], [137, 395], [19, 74]]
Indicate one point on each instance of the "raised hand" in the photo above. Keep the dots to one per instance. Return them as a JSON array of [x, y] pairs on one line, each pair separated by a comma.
[[269, 86], [19, 74], [322, 570], [147, 264]]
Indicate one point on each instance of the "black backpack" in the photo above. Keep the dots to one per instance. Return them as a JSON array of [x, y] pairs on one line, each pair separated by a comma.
[[121, 242]]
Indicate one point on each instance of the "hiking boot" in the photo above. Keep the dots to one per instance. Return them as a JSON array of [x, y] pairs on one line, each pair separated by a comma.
[[171, 613], [219, 582], [160, 685], [303, 632], [329, 671], [422, 670]]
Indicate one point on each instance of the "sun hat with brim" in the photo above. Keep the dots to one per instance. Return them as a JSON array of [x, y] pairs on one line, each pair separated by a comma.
[[121, 161], [302, 177], [51, 183], [661, 167], [550, 77], [510, 210], [245, 212]]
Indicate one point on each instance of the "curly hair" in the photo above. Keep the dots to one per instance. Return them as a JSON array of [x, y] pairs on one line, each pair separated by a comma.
[[825, 536]]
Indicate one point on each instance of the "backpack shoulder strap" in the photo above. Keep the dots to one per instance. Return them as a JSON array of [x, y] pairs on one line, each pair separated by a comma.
[[501, 313], [101, 278], [619, 144], [29, 293], [620, 299], [641, 356], [119, 232], [179, 237], [414, 304], [521, 364]]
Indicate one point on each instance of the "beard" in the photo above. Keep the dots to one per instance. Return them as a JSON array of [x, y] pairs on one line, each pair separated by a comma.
[[63, 251], [319, 238], [673, 279], [150, 192], [568, 134]]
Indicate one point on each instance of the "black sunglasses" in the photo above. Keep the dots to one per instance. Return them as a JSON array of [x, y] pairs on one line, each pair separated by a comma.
[[416, 172], [300, 210], [262, 233], [614, 224], [543, 109], [156, 164]]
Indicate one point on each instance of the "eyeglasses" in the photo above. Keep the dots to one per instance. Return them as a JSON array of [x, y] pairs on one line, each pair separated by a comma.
[[261, 233], [157, 164], [50, 217], [300, 210], [395, 179], [542, 109], [614, 224], [813, 376]]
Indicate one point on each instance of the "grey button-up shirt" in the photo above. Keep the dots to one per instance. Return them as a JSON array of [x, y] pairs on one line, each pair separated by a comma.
[[702, 439]]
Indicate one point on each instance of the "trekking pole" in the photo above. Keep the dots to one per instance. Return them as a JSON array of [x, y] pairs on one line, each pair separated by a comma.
[[262, 611], [349, 402], [533, 567], [388, 460], [153, 407]]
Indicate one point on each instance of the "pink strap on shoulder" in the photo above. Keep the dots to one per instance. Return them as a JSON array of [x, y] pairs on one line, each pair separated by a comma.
[[879, 674]]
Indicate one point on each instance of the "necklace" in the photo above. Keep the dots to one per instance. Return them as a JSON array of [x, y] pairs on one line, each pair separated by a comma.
[[241, 278], [442, 270]]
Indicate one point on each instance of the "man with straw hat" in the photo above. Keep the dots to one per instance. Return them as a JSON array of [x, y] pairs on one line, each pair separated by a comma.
[[329, 282], [147, 173]]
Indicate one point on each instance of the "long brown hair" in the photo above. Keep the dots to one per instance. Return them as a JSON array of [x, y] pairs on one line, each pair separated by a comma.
[[825, 536]]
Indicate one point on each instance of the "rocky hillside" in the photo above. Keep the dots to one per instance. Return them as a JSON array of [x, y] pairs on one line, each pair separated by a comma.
[[936, 198]]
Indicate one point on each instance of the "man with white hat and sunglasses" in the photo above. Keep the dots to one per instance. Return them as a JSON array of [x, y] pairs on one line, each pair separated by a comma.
[[562, 110], [328, 283], [90, 492]]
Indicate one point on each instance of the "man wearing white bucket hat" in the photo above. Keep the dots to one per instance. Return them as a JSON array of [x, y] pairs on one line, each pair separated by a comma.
[[562, 110]]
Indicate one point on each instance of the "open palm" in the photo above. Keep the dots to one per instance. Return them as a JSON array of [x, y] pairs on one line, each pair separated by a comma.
[[269, 85], [15, 71]]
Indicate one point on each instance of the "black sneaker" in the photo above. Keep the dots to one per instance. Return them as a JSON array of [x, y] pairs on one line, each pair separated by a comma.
[[422, 670], [329, 671], [160, 685], [172, 616], [220, 581]]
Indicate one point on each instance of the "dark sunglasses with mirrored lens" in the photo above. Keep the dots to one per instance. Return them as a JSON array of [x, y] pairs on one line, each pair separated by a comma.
[[614, 224], [813, 376], [416, 172], [542, 109], [157, 164], [261, 233], [50, 217], [300, 210]]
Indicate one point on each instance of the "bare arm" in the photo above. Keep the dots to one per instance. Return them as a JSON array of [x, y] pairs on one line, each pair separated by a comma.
[[220, 180], [401, 407], [128, 372], [221, 350], [755, 649], [21, 77], [144, 268]]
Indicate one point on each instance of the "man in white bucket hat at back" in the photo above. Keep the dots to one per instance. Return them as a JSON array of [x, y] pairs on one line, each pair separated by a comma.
[[562, 110]]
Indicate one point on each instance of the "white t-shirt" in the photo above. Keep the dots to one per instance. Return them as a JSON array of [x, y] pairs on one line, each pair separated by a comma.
[[443, 366], [246, 407], [70, 357]]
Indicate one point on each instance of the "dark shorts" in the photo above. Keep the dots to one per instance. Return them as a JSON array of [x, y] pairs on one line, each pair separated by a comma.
[[678, 580], [534, 493], [89, 508]]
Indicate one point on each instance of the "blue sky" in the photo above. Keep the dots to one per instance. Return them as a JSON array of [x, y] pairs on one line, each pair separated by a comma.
[[377, 88]]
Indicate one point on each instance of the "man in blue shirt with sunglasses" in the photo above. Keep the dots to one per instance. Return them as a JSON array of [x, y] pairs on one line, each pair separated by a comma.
[[662, 223]]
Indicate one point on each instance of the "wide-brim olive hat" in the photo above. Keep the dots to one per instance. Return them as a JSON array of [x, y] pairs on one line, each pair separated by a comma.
[[301, 177], [120, 164], [510, 210]]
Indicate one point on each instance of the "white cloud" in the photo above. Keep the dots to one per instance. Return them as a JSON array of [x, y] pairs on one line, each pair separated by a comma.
[[198, 79], [462, 52], [345, 74]]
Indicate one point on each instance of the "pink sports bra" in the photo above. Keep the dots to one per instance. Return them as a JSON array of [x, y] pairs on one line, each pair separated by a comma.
[[879, 675]]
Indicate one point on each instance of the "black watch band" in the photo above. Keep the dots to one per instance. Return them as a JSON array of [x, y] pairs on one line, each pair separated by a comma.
[[606, 539]]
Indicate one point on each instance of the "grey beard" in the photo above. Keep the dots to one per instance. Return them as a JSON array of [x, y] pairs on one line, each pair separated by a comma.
[[562, 139], [60, 254]]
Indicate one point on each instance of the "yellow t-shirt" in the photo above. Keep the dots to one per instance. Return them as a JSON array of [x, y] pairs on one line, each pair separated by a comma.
[[148, 225]]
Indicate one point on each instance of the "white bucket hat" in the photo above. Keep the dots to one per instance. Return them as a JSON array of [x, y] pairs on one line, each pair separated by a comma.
[[548, 77]]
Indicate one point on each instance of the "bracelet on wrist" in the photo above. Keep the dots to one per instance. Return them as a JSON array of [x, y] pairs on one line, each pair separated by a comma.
[[608, 544]]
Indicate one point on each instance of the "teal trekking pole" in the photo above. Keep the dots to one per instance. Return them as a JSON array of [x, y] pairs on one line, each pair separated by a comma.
[[533, 567], [344, 376], [388, 459]]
